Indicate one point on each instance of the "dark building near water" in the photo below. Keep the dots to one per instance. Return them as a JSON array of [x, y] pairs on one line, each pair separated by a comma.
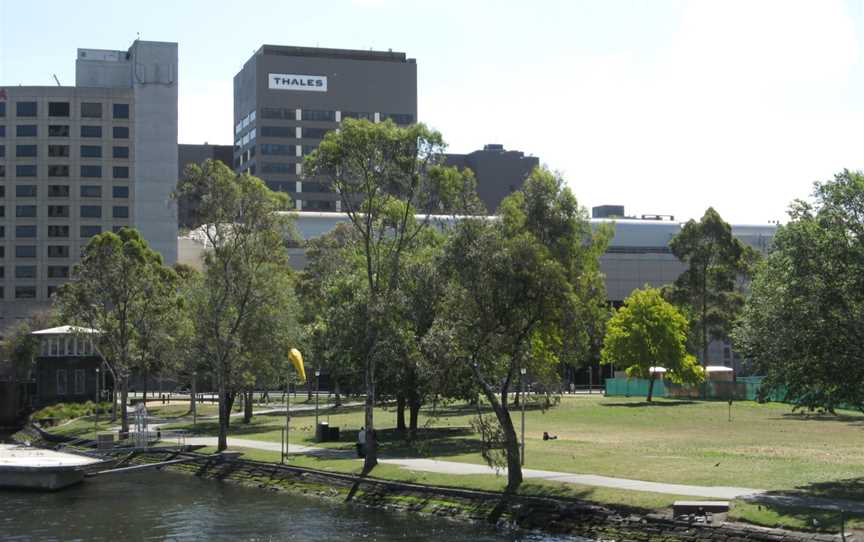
[[499, 172], [287, 98]]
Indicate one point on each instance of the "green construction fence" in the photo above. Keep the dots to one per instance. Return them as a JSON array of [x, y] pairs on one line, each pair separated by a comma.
[[742, 389]]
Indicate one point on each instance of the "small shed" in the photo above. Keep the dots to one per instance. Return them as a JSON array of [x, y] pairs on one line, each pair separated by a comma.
[[720, 373], [68, 366]]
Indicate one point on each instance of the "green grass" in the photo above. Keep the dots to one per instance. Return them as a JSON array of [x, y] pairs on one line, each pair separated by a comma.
[[765, 446]]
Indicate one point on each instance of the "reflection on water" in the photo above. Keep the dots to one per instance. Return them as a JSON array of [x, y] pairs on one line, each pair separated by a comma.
[[160, 506]]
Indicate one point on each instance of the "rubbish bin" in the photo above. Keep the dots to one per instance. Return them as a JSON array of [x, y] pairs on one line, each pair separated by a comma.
[[333, 434], [322, 432]]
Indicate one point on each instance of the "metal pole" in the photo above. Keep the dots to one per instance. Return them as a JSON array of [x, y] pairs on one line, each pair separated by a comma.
[[317, 384], [194, 399], [96, 418], [522, 401], [288, 418]]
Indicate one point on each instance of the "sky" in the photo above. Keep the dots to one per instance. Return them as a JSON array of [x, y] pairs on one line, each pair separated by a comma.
[[663, 106]]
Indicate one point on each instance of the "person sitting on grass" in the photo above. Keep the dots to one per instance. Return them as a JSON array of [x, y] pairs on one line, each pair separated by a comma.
[[547, 436]]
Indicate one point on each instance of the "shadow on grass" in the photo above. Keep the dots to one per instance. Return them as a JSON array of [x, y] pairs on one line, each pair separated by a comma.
[[642, 404], [822, 417], [850, 489]]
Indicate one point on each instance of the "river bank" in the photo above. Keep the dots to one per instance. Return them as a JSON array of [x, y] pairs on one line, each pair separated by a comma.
[[554, 515]]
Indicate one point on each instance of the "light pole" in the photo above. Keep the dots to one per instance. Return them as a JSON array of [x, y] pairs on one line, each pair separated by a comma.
[[522, 371], [96, 419], [194, 399], [317, 387], [287, 414]]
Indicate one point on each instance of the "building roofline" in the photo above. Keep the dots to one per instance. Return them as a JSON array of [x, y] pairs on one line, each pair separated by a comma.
[[321, 52]]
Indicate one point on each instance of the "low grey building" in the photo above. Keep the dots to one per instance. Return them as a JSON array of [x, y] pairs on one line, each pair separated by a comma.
[[80, 160], [498, 172], [287, 98]]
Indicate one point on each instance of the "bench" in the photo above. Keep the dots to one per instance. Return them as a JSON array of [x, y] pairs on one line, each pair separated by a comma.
[[685, 508]]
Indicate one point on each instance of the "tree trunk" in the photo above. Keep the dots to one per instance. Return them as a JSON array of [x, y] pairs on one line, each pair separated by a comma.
[[400, 413], [414, 413], [309, 389], [146, 373], [224, 415], [193, 399], [337, 400], [651, 387], [247, 407], [124, 412], [511, 444], [371, 459]]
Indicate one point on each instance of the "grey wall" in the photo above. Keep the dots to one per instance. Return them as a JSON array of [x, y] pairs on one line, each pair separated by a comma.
[[154, 79], [195, 154], [498, 172]]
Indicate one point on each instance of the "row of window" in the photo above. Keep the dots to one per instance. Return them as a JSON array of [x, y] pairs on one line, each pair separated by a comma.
[[62, 211], [60, 151], [66, 346], [62, 191], [29, 272], [274, 149], [247, 120], [62, 130], [29, 292], [292, 132], [60, 170], [88, 110]]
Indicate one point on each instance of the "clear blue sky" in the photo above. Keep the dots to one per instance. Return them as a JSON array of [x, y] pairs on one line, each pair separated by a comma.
[[663, 106]]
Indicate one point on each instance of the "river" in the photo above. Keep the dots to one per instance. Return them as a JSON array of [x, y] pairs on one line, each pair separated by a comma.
[[172, 506]]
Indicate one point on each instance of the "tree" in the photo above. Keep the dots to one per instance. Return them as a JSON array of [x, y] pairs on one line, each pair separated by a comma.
[[20, 347], [709, 290], [119, 288], [801, 325], [384, 175], [518, 288], [649, 332], [243, 305]]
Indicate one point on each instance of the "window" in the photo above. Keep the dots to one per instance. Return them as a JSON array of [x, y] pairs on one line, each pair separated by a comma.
[[57, 231], [79, 381], [91, 151], [25, 251], [121, 172], [59, 251], [26, 292], [314, 133], [358, 115], [2, 151], [2, 211], [121, 111], [25, 151], [91, 191], [25, 191], [58, 171], [58, 151], [318, 115], [278, 113], [91, 171], [2, 109], [25, 232], [2, 171], [25, 211], [2, 129], [316, 187], [278, 131], [25, 171], [58, 211], [120, 132], [278, 150], [120, 212], [91, 110], [58, 130], [26, 109], [25, 271], [121, 192], [2, 272], [58, 271], [26, 130], [121, 152], [91, 211], [61, 373], [275, 167], [90, 231], [58, 190], [398, 118], [91, 131], [58, 109]]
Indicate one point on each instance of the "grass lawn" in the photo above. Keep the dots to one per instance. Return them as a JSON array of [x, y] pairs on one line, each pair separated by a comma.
[[765, 446]]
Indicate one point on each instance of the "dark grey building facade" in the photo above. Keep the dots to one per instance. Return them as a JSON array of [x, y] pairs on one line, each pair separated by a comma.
[[195, 154], [287, 98], [498, 172]]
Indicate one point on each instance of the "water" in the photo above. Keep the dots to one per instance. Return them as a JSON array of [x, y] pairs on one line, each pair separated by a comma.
[[171, 506]]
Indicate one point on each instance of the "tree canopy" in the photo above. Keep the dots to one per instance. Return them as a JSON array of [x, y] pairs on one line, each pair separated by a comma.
[[649, 332], [802, 324]]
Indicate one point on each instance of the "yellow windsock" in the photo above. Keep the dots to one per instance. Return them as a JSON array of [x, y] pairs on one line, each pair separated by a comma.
[[297, 360]]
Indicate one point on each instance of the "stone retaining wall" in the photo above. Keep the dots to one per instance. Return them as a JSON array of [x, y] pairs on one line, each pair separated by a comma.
[[553, 515]]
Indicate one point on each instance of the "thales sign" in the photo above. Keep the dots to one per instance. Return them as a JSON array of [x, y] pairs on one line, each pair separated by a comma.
[[290, 81]]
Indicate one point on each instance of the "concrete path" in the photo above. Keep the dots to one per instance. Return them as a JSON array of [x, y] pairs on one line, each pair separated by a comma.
[[274, 447], [452, 467]]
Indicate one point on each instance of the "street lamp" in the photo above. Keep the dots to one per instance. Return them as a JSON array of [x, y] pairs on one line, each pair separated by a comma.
[[194, 399], [523, 371], [96, 419], [317, 388]]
